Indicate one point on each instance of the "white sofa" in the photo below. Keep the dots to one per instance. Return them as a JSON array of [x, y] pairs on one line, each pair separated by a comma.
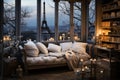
[[45, 55]]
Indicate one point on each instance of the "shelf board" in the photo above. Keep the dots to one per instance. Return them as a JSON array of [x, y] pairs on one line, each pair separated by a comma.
[[107, 28], [111, 9], [111, 35], [114, 18], [102, 48], [108, 2], [110, 42], [102, 55], [111, 27], [114, 35]]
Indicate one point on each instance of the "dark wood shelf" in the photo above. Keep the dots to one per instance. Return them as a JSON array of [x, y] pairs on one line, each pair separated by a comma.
[[109, 53], [109, 2], [111, 27], [111, 16], [114, 35], [113, 19], [111, 42], [111, 9]]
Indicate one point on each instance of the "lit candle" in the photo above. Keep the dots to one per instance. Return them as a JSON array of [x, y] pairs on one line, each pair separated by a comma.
[[101, 71], [68, 38], [8, 57], [76, 37], [83, 69], [77, 70], [94, 60], [63, 35], [60, 37], [81, 60], [86, 67], [91, 59]]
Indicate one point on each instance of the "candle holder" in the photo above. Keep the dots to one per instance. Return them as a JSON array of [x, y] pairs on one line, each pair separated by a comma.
[[77, 73], [93, 68], [63, 36], [83, 71]]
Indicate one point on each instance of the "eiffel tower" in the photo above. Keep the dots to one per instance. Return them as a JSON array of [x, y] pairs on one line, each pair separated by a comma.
[[44, 27], [46, 33]]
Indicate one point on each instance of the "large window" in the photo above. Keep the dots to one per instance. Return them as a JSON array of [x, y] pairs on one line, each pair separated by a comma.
[[29, 20]]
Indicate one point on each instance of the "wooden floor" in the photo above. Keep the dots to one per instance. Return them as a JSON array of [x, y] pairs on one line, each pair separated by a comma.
[[51, 74], [60, 73], [63, 73]]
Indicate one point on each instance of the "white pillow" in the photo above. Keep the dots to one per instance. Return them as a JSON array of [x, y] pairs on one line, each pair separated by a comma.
[[42, 48], [31, 49], [66, 46], [54, 48], [79, 47]]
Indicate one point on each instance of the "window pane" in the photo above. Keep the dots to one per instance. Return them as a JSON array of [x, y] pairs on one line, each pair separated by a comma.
[[9, 19], [47, 24], [28, 19], [91, 28], [64, 22], [77, 21]]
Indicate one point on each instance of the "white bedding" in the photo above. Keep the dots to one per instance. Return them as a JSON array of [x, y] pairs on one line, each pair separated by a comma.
[[69, 57]]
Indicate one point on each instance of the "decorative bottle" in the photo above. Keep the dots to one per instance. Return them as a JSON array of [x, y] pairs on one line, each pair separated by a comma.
[[19, 72]]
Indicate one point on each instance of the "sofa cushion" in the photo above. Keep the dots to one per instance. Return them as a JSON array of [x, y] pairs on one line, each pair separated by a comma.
[[31, 49], [66, 46], [54, 48], [42, 48], [45, 60], [79, 47], [57, 54]]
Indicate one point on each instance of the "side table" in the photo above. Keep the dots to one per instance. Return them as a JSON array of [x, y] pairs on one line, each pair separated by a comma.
[[10, 65]]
